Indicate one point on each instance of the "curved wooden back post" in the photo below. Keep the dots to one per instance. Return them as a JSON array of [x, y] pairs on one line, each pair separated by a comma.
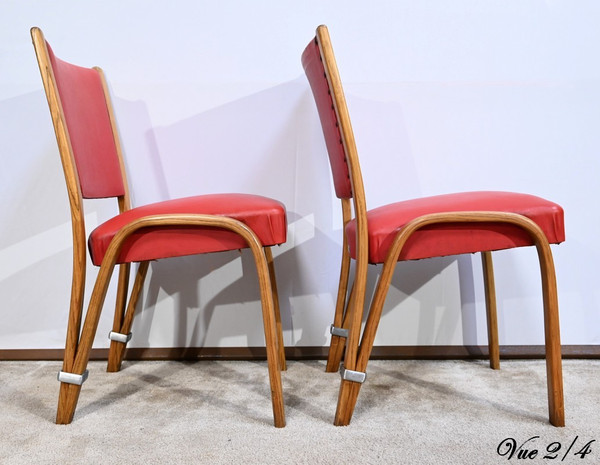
[[79, 100], [70, 392], [75, 195], [321, 70], [549, 291], [327, 68]]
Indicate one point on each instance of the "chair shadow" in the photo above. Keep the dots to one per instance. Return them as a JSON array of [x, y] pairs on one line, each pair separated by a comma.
[[439, 389], [255, 381]]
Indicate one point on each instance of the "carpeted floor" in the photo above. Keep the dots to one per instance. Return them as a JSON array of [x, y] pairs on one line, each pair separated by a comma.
[[409, 412]]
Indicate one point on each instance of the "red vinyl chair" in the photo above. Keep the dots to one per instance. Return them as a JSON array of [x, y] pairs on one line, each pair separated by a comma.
[[91, 156], [415, 229]]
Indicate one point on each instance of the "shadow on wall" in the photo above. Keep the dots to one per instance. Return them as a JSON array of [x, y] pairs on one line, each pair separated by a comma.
[[35, 227], [269, 143], [253, 145], [387, 159]]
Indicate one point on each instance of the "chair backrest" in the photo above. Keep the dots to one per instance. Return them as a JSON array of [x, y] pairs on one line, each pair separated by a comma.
[[322, 73], [321, 70], [84, 124]]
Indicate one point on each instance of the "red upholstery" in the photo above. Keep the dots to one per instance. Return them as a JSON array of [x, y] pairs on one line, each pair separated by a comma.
[[266, 217], [452, 239], [313, 66], [90, 131]]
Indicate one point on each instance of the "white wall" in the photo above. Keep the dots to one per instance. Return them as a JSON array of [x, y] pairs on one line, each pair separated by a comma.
[[211, 96]]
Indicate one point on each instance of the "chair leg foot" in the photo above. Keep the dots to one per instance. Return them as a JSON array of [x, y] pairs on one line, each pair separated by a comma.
[[276, 390], [556, 402], [557, 419], [115, 356], [346, 402], [336, 351], [67, 402]]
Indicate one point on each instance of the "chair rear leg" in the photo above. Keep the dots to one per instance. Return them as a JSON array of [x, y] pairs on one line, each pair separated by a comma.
[[75, 316], [347, 397], [72, 378], [279, 329], [119, 343], [122, 288], [338, 342], [491, 312]]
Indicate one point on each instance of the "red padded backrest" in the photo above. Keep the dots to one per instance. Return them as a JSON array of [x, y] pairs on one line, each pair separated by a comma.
[[90, 131], [315, 72]]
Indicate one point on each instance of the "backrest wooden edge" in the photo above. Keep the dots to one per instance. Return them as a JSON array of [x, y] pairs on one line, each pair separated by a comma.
[[58, 119], [359, 201], [68, 162], [125, 200], [341, 109]]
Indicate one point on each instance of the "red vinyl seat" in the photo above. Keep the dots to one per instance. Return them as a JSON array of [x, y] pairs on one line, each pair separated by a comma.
[[264, 216], [458, 238], [90, 151], [436, 226]]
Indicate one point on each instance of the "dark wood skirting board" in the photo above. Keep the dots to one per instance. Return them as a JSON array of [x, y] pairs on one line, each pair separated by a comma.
[[312, 353]]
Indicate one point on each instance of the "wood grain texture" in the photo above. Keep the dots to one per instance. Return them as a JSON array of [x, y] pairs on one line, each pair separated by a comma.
[[491, 311], [80, 338], [359, 346], [338, 344]]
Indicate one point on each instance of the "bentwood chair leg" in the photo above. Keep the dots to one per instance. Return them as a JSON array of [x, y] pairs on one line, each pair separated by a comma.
[[117, 348], [338, 343], [346, 402], [336, 352], [556, 403], [122, 288], [343, 301], [69, 393], [67, 401], [491, 312], [349, 389], [77, 295], [270, 328], [280, 345]]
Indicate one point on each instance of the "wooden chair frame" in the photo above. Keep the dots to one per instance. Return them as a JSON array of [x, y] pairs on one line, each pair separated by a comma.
[[79, 339], [356, 347]]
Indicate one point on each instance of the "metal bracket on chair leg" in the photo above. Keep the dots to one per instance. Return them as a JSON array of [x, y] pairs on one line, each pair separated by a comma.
[[340, 332], [118, 337], [351, 375], [72, 378]]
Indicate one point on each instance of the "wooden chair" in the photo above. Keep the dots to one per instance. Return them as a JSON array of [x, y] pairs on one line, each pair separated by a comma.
[[414, 229], [91, 156]]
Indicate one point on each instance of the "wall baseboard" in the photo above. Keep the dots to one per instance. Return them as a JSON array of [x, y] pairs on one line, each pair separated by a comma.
[[312, 353]]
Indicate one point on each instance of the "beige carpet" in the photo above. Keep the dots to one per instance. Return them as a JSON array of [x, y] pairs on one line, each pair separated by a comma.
[[409, 412]]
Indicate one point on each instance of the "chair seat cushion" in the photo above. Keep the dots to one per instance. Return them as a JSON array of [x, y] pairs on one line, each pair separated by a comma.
[[456, 238], [266, 217]]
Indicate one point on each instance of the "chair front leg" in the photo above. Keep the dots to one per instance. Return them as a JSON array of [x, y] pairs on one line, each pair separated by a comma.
[[556, 403], [270, 328], [491, 312], [279, 328], [121, 334], [352, 372]]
